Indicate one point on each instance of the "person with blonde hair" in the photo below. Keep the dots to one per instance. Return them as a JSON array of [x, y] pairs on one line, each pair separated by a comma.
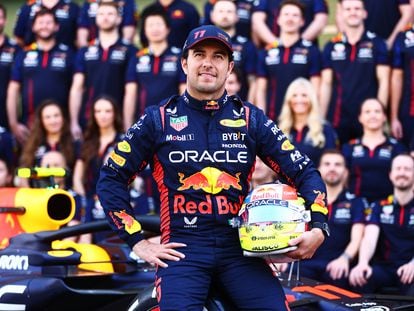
[[300, 119]]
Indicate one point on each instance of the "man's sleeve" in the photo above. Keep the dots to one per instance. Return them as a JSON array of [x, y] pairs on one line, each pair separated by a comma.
[[129, 157]]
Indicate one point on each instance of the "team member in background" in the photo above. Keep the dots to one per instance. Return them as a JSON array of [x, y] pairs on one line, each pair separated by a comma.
[[100, 68], [155, 71], [202, 146], [266, 13], [285, 59], [355, 67], [224, 15], [385, 20], [301, 121], [332, 262], [183, 16], [402, 97], [369, 157], [87, 29], [42, 71], [66, 12], [244, 13], [103, 132], [233, 82], [8, 51], [389, 234], [50, 132]]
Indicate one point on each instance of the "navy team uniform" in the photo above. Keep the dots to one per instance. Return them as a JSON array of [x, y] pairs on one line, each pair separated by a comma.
[[369, 168], [8, 51], [272, 7], [66, 12], [104, 71], [305, 144], [244, 12], [202, 154], [43, 75], [8, 147], [403, 58], [383, 18], [157, 76], [245, 58], [395, 243], [281, 65], [346, 211], [183, 17], [127, 8], [354, 79]]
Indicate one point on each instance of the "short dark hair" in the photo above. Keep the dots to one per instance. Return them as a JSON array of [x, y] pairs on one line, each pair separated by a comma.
[[297, 3], [3, 9], [152, 10], [332, 151], [43, 12]]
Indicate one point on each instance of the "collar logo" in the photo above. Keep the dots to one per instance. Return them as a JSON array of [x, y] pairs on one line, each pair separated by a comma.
[[179, 123]]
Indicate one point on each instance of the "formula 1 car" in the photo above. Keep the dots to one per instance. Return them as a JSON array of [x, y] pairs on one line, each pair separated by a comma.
[[43, 270]]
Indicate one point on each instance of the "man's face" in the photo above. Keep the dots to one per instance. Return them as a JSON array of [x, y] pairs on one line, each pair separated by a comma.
[[45, 27], [155, 29], [224, 14], [353, 13], [333, 170], [290, 19], [107, 18], [402, 172], [2, 21], [207, 67]]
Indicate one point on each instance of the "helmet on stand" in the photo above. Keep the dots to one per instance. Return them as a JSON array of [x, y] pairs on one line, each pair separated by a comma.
[[271, 215]]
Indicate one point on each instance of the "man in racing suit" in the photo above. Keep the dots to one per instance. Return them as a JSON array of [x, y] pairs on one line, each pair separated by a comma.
[[202, 147]]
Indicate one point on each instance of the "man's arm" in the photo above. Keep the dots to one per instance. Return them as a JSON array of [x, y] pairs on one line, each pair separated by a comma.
[[260, 28], [396, 94], [362, 271], [383, 77], [406, 11], [75, 102], [82, 37], [19, 130], [339, 267], [316, 27], [128, 33], [261, 89], [130, 98], [325, 92]]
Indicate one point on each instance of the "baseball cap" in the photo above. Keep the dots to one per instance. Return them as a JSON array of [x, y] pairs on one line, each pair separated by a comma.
[[208, 32]]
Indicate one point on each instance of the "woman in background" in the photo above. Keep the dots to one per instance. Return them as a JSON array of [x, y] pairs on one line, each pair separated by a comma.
[[103, 131], [300, 119]]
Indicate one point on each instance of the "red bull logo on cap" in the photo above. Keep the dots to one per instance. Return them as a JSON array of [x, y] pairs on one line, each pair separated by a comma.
[[210, 180]]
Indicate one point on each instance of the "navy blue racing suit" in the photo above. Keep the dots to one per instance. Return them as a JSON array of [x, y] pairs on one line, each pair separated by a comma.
[[202, 154]]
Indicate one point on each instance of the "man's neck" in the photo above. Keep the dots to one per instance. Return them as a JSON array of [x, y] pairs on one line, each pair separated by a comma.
[[165, 2], [333, 192], [157, 48], [403, 196], [230, 31], [354, 34], [289, 39], [49, 3], [205, 96], [45, 45], [107, 39]]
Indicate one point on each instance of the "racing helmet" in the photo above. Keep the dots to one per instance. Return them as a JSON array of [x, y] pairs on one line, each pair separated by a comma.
[[271, 215]]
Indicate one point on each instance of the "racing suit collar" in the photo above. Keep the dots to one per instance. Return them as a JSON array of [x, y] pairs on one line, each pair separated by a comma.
[[206, 105]]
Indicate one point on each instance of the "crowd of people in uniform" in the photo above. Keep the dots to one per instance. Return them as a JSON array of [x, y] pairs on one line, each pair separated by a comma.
[[73, 80]]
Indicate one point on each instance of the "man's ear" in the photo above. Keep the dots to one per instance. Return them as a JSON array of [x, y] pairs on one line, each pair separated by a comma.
[[184, 64], [231, 66]]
